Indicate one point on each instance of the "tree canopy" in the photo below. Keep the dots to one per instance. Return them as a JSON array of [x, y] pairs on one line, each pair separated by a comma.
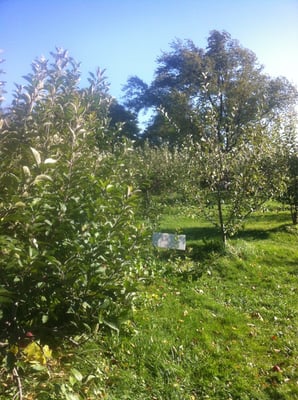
[[225, 79]]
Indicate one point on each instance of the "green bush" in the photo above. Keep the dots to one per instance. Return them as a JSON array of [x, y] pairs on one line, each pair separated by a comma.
[[69, 235]]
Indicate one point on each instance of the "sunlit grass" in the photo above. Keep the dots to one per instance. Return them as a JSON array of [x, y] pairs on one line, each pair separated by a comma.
[[221, 328], [205, 324]]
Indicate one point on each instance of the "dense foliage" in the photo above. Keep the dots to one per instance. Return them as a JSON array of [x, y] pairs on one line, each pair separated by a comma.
[[70, 239], [225, 79]]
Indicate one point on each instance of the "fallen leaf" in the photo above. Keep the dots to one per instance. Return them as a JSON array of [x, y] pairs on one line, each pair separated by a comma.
[[276, 368]]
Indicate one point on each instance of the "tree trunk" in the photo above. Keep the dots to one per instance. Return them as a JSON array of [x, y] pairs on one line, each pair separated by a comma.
[[294, 214], [221, 219]]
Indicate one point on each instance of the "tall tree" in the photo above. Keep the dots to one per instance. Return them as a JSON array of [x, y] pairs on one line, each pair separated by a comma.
[[124, 121], [225, 78], [220, 100]]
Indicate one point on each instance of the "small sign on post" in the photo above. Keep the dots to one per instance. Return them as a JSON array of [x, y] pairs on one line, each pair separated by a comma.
[[169, 241]]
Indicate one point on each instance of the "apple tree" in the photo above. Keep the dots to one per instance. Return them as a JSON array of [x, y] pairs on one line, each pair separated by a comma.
[[70, 239]]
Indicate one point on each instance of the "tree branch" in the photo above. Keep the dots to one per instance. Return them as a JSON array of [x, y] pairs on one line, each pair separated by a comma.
[[18, 379]]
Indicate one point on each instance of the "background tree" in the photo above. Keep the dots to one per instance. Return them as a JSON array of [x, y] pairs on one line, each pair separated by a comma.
[[123, 121], [227, 186], [238, 91], [220, 100], [290, 161]]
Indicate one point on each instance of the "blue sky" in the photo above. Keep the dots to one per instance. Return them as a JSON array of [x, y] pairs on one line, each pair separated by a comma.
[[126, 36]]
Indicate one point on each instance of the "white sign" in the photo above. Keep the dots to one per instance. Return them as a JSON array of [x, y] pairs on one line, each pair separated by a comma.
[[169, 241]]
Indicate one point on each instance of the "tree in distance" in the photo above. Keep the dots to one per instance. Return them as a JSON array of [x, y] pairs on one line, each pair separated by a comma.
[[219, 106]]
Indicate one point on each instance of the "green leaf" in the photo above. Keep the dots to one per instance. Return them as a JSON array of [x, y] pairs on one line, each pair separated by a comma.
[[50, 161], [26, 171], [5, 296], [112, 326], [76, 374], [72, 396], [44, 318], [38, 367], [36, 155], [41, 178]]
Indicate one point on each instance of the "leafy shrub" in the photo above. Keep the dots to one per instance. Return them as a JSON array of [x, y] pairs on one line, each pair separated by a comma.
[[69, 235]]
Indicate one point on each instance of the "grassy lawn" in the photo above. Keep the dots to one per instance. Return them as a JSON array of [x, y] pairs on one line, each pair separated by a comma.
[[223, 328], [205, 324]]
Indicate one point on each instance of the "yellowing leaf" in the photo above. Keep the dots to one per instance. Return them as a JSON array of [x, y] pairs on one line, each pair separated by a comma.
[[35, 353], [47, 351], [129, 191], [20, 204], [14, 349]]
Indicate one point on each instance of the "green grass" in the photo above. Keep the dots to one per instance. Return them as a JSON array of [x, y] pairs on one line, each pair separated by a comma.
[[206, 324], [223, 328]]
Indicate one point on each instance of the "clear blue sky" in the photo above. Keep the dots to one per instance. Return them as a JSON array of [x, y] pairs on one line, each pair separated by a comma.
[[126, 36]]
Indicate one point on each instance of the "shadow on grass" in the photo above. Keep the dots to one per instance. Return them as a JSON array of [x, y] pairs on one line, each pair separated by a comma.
[[211, 233], [201, 233], [272, 218], [262, 233], [272, 391], [204, 242], [205, 250], [253, 234], [200, 252]]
